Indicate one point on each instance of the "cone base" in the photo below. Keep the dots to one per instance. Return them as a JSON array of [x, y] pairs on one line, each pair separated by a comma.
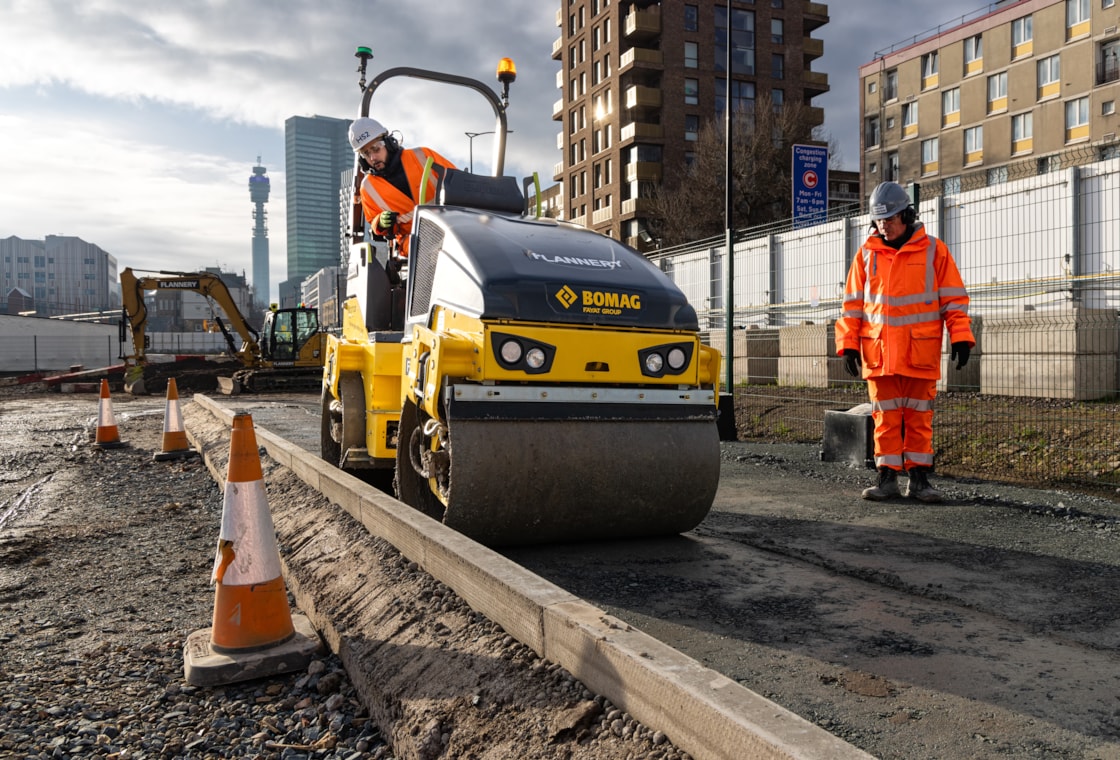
[[110, 444], [163, 456], [203, 666]]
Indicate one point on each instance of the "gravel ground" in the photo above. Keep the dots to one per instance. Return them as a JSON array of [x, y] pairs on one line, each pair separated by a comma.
[[105, 559]]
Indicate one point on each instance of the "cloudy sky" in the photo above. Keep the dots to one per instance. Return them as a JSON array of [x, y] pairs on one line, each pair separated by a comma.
[[134, 124]]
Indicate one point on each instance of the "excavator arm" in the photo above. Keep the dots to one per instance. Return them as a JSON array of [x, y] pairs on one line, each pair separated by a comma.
[[133, 286]]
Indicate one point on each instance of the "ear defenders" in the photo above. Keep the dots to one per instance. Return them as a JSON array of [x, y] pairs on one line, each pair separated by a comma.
[[908, 215]]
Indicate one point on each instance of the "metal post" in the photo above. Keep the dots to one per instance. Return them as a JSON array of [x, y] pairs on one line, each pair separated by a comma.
[[729, 235]]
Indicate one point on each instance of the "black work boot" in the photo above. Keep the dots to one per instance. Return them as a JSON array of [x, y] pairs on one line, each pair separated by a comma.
[[885, 488], [919, 487]]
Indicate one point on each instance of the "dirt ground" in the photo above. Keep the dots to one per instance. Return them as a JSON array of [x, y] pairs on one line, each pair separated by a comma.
[[987, 627]]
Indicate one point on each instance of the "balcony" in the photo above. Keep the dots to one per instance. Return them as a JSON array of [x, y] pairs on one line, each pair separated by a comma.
[[642, 24], [642, 131], [815, 83], [642, 97], [640, 56], [557, 48], [604, 214], [558, 110], [559, 17], [637, 206], [560, 140], [649, 171], [1108, 71], [816, 16], [811, 49], [558, 171]]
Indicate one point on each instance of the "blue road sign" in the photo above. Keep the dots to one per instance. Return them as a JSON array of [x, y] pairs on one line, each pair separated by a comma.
[[810, 185]]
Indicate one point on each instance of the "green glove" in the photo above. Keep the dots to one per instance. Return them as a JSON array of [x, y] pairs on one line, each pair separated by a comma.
[[387, 220]]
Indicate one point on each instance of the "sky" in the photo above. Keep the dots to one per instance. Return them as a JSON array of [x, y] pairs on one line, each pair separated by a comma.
[[135, 124]]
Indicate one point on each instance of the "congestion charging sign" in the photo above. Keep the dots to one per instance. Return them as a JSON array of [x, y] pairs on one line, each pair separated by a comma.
[[810, 185]]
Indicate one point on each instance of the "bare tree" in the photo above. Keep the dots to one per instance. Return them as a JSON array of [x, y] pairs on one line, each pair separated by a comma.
[[689, 205]]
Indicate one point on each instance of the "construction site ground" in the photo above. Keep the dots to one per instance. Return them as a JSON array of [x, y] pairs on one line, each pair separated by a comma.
[[984, 627]]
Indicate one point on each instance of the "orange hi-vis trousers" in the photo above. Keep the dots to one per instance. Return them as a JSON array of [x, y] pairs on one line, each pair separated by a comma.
[[902, 408]]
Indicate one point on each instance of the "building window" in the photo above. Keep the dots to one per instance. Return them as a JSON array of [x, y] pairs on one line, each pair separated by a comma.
[[1022, 37], [1108, 3], [872, 87], [742, 96], [742, 41], [777, 31], [691, 91], [1048, 164], [997, 92], [872, 134], [929, 156], [973, 145], [1108, 68], [973, 55], [777, 97], [777, 4], [1108, 108], [890, 86], [778, 66], [891, 172], [1077, 119], [1077, 18], [691, 55], [691, 128], [930, 70], [951, 107], [1049, 77], [1022, 133], [909, 120], [951, 186], [691, 18], [997, 175]]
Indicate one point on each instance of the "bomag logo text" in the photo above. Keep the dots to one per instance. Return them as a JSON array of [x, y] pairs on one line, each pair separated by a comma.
[[607, 302]]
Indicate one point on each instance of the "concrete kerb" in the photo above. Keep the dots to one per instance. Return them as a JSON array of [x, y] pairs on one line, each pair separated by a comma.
[[701, 711]]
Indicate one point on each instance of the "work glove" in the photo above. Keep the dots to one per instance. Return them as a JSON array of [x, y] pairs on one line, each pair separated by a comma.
[[961, 352], [852, 363], [386, 220]]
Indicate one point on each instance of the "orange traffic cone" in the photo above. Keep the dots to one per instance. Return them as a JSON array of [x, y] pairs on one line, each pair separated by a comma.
[[254, 633], [175, 445], [108, 435]]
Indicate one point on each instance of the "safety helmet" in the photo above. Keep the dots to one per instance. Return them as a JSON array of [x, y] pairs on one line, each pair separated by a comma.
[[364, 130], [888, 199]]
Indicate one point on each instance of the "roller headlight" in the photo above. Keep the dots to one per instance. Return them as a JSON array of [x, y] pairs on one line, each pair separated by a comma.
[[654, 362], [535, 358], [677, 358], [511, 352]]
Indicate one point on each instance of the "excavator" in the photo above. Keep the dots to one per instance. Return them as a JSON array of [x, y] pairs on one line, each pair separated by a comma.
[[285, 354], [522, 379]]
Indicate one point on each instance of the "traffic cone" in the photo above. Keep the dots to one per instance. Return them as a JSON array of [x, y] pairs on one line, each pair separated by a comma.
[[254, 633], [175, 445], [108, 435]]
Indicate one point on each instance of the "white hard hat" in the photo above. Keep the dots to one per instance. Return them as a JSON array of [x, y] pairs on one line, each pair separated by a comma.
[[364, 130]]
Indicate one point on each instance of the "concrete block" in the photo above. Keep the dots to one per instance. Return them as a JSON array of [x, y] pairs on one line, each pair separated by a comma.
[[812, 372], [807, 340], [849, 437], [1055, 331], [1065, 376], [968, 377], [751, 342]]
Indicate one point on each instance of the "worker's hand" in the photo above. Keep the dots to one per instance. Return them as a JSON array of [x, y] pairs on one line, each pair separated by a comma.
[[852, 363], [387, 220], [961, 352]]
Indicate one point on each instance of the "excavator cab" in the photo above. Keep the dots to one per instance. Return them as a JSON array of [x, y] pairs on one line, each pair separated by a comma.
[[291, 335]]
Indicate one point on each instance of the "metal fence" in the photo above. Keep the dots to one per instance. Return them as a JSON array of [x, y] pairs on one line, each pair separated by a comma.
[[1038, 245]]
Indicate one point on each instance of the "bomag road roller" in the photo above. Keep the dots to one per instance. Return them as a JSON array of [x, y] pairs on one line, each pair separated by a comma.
[[522, 379]]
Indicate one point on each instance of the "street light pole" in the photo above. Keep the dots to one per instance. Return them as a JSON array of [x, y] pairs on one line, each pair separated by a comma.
[[470, 137]]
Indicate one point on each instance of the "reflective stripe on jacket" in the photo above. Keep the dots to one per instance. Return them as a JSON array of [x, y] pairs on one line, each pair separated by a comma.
[[895, 303], [379, 194]]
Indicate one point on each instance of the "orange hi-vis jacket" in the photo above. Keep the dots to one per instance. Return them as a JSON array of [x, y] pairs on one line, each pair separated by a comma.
[[379, 194], [895, 303]]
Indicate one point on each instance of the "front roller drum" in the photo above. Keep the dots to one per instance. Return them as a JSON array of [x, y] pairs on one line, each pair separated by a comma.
[[543, 481]]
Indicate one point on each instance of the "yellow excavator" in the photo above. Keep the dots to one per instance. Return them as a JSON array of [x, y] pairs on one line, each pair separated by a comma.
[[523, 379], [285, 354]]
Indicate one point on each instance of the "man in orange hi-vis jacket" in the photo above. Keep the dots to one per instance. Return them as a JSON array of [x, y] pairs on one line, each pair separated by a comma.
[[902, 287], [391, 187]]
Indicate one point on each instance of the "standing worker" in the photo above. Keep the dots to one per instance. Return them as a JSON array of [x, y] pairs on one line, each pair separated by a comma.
[[391, 187], [902, 287]]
